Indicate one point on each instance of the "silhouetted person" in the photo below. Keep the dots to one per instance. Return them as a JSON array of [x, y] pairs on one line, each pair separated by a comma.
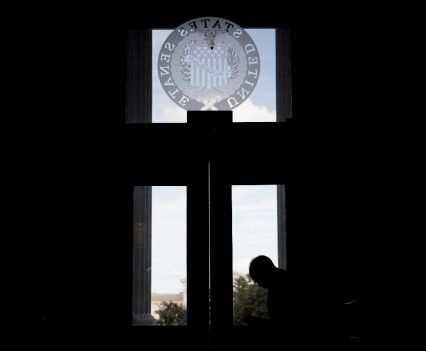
[[280, 299], [293, 303]]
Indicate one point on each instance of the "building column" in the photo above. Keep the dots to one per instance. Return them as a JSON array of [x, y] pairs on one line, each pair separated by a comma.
[[139, 77], [282, 227], [142, 203], [283, 74]]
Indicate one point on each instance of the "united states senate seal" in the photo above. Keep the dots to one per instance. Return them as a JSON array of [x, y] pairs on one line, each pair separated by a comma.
[[209, 63]]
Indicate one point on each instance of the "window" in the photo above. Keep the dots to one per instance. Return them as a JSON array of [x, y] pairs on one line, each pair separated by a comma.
[[259, 107], [211, 236], [148, 103], [159, 255], [258, 228]]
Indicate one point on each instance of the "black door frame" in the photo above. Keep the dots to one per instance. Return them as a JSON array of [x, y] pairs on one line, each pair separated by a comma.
[[208, 165]]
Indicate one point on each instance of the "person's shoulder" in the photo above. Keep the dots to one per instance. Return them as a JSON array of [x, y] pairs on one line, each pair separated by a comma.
[[283, 274], [282, 277]]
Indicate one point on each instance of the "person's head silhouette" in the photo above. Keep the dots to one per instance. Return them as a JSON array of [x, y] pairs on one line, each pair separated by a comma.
[[262, 271]]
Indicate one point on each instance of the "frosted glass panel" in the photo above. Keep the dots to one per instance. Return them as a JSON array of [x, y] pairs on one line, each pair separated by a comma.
[[259, 107]]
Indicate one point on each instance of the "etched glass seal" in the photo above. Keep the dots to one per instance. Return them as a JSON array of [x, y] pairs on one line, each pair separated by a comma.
[[209, 63]]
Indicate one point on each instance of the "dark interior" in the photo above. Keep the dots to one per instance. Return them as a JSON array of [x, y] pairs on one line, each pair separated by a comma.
[[320, 154]]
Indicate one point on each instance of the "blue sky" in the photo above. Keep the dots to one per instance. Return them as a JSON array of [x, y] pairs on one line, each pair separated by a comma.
[[260, 106], [254, 224], [168, 238], [254, 231]]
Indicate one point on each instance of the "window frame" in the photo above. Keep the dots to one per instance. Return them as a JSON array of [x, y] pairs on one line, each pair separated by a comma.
[[190, 171], [209, 211]]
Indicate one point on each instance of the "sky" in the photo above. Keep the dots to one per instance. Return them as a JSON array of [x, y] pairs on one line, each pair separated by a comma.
[[254, 220], [168, 257], [259, 107], [254, 231], [254, 224]]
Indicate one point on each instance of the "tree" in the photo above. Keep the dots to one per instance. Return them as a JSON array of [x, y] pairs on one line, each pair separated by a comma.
[[171, 313], [249, 299]]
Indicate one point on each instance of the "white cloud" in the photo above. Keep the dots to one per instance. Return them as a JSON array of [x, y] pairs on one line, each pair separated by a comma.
[[254, 223], [247, 112], [168, 238], [174, 114], [242, 265], [250, 112]]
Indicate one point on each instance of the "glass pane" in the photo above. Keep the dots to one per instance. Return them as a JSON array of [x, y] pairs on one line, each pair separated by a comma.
[[159, 255], [256, 230], [259, 107]]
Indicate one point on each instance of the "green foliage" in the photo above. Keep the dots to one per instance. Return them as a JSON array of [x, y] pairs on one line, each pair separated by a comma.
[[249, 299], [171, 313]]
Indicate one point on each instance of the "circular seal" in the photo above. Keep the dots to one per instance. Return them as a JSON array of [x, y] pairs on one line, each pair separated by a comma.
[[208, 63]]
